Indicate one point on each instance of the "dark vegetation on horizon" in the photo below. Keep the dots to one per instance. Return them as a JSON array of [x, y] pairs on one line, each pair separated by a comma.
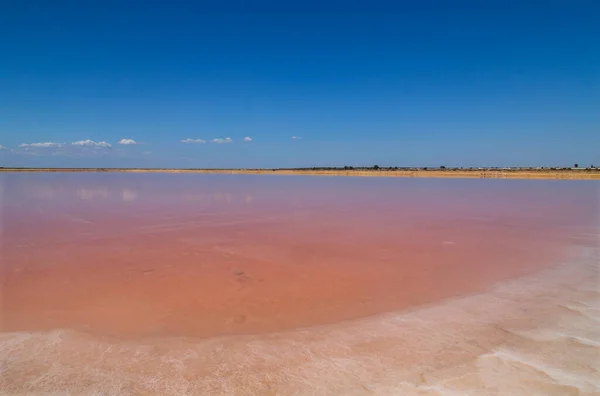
[[443, 168]]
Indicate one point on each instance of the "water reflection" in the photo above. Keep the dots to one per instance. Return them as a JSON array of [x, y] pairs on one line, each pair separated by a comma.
[[46, 192], [92, 193], [218, 197], [84, 191], [197, 197], [128, 194], [455, 198]]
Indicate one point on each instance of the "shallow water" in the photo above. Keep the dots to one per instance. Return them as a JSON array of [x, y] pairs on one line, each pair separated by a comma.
[[201, 284]]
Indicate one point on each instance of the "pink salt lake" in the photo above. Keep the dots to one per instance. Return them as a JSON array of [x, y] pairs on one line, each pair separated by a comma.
[[157, 259]]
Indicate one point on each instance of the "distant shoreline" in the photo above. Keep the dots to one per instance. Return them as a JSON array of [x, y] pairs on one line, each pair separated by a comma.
[[482, 173]]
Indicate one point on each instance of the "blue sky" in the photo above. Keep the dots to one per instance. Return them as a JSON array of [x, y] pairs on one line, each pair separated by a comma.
[[478, 83]]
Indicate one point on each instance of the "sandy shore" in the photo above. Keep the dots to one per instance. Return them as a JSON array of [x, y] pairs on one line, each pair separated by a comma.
[[574, 174]]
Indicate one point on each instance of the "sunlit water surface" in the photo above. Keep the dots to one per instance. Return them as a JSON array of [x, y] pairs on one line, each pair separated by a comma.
[[189, 284]]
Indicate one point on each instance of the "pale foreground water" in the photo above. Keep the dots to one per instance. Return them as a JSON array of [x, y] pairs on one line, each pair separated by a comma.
[[193, 285]]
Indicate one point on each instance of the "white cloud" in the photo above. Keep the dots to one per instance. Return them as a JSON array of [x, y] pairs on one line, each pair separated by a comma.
[[296, 137], [219, 140], [91, 143], [3, 147], [127, 141], [247, 139], [189, 140], [44, 144]]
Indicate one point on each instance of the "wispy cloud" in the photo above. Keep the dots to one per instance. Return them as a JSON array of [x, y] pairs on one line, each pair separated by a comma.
[[127, 141], [219, 140], [3, 147], [296, 137], [189, 140], [247, 139], [43, 145], [91, 143]]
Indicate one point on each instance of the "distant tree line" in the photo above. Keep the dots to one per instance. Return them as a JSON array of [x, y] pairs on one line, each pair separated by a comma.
[[442, 167]]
